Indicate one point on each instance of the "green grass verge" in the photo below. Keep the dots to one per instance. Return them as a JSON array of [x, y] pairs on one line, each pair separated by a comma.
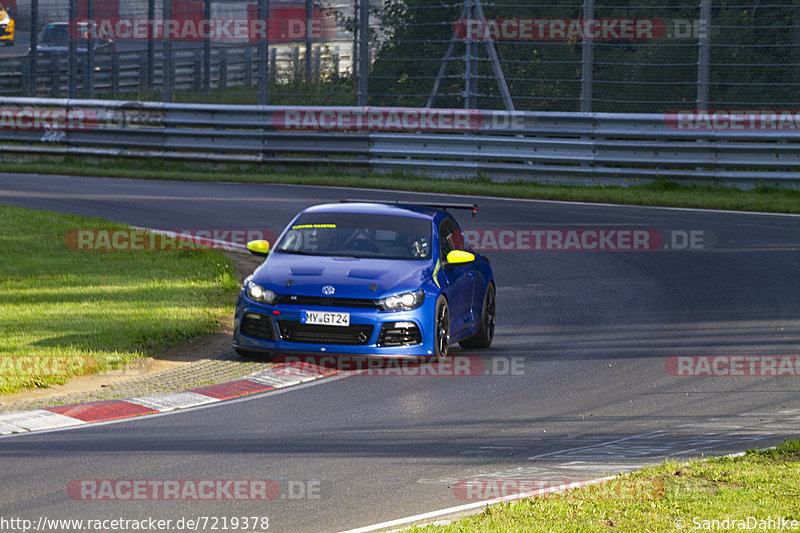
[[662, 193], [65, 312], [670, 497]]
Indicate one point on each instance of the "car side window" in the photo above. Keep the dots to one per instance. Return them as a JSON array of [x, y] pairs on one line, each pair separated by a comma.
[[450, 237]]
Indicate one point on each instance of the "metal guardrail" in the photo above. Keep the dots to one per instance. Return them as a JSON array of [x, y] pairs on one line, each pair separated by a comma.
[[126, 72], [559, 147]]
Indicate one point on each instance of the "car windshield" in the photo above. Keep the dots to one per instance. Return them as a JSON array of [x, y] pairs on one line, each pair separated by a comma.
[[358, 235], [54, 34]]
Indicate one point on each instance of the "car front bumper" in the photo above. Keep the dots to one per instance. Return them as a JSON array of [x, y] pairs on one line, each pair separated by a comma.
[[372, 332], [7, 32]]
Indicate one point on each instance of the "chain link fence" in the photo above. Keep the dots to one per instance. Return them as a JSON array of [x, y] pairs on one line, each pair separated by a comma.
[[649, 56]]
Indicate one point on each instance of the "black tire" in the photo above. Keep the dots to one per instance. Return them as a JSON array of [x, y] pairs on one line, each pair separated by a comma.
[[442, 329], [254, 354], [483, 337]]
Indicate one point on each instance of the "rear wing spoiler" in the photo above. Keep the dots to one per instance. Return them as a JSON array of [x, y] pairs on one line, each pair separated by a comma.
[[437, 205]]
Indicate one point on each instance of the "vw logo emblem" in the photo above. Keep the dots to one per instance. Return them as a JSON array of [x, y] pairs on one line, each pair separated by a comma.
[[328, 289]]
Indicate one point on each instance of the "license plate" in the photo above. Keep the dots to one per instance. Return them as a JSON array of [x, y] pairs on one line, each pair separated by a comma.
[[325, 318]]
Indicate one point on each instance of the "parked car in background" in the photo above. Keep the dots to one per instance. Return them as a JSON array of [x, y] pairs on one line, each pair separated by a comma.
[[7, 27], [55, 39]]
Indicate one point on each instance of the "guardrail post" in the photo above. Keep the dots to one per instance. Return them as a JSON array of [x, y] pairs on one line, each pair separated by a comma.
[[363, 53]]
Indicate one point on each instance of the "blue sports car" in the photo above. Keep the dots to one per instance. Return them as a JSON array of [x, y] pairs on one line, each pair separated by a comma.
[[367, 278]]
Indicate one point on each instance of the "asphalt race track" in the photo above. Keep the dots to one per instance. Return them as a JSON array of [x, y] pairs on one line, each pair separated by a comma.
[[587, 333]]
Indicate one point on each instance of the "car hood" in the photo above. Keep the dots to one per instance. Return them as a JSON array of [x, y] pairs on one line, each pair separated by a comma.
[[351, 277]]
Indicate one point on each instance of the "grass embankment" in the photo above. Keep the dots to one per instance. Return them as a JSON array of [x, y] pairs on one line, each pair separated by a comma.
[[747, 491], [65, 312], [763, 198]]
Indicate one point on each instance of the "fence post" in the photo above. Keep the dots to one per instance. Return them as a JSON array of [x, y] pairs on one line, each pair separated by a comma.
[[263, 56], [114, 72], [363, 53], [55, 73], [146, 75], [295, 63], [223, 69], [470, 64], [273, 64], [149, 76], [198, 69], [355, 39], [587, 61], [316, 73], [166, 76], [31, 89], [703, 54], [72, 82], [206, 49], [309, 44], [90, 59], [248, 67]]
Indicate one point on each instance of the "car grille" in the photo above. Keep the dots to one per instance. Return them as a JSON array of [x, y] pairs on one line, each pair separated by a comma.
[[325, 301], [355, 334], [405, 335], [258, 326]]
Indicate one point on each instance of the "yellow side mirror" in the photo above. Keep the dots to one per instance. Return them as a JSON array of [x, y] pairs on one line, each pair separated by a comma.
[[457, 257], [260, 247]]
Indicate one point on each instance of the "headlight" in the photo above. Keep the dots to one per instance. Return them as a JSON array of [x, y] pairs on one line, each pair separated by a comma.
[[258, 293], [402, 302], [5, 20]]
